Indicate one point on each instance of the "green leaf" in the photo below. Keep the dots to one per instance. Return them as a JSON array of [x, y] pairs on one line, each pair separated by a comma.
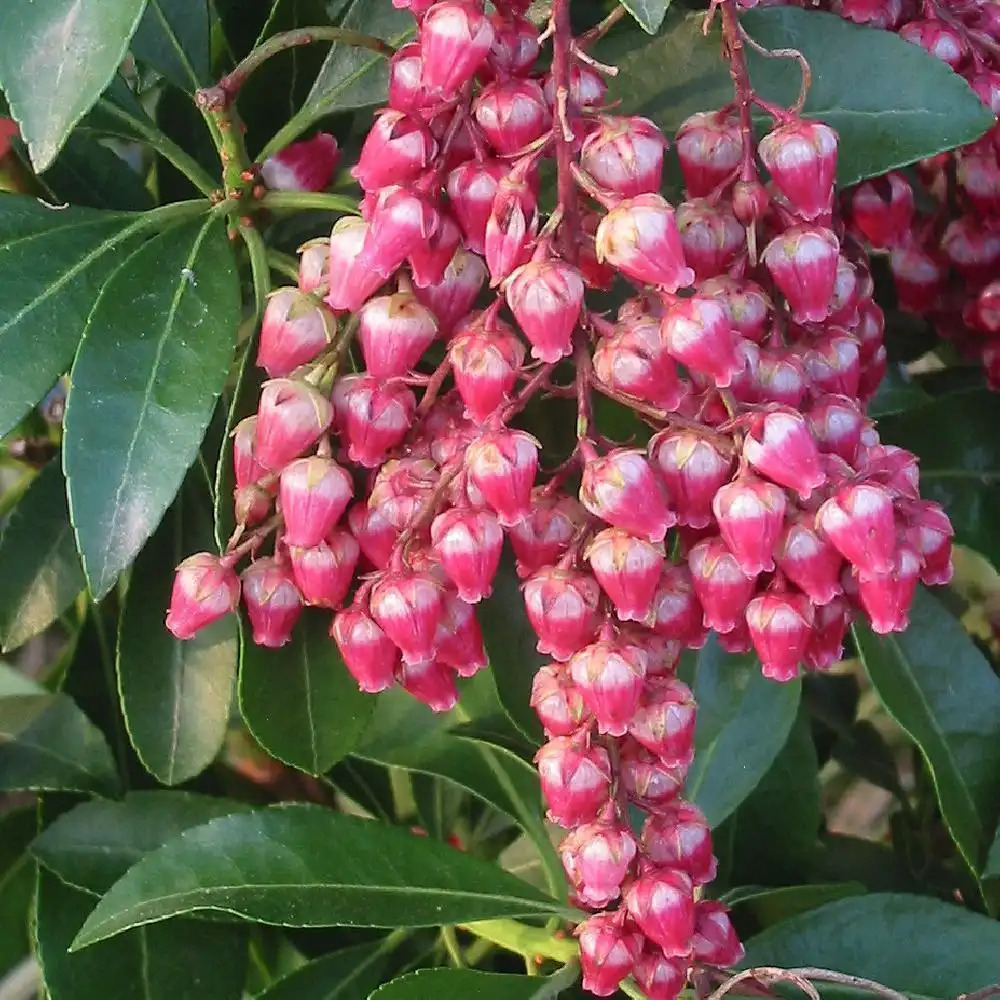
[[56, 56], [875, 936], [741, 716], [42, 574], [14, 682], [881, 124], [304, 866], [182, 960], [346, 974], [771, 906], [457, 984], [46, 742], [92, 846], [942, 691], [175, 695], [174, 38], [959, 451], [649, 14], [154, 356], [17, 884], [300, 702], [87, 173]]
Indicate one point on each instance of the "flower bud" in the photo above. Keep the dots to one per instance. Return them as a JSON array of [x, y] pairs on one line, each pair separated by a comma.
[[803, 263], [973, 248], [545, 534], [750, 201], [709, 147], [622, 489], [693, 469], [377, 417], [937, 38], [429, 261], [546, 298], [628, 569], [430, 682], [778, 445], [294, 330], [676, 613], [664, 721], [809, 560], [750, 513], [587, 88], [512, 225], [678, 837], [557, 701], [659, 977], [398, 149], [272, 602], [485, 360], [625, 155], [978, 175], [576, 780], [323, 572], [314, 493], [561, 605], [351, 271], [451, 298], [881, 209], [512, 113], [407, 91], [455, 37], [459, 640], [712, 238], [394, 331], [826, 644], [919, 276], [515, 45], [747, 306], [251, 505], [607, 953], [837, 423], [596, 858], [886, 597], [408, 607], [609, 676], [246, 469], [314, 265], [697, 333], [634, 360], [291, 418], [780, 626], [468, 543], [802, 160], [715, 941], [205, 589], [723, 589], [859, 522], [661, 902], [502, 465], [930, 532], [833, 364], [370, 655], [472, 187], [647, 781], [375, 533], [402, 221], [302, 166]]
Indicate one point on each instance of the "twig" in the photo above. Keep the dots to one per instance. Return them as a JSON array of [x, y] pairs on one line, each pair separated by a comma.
[[784, 54]]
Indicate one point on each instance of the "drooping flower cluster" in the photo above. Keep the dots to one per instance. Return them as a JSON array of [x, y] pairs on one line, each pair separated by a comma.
[[783, 514]]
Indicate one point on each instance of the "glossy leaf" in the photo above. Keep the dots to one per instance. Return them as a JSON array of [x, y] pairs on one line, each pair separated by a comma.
[[56, 56], [41, 571], [881, 125], [942, 691], [864, 936], [173, 38], [300, 702], [46, 742], [188, 959], [771, 906], [649, 14], [304, 866], [154, 356], [741, 716], [92, 846], [175, 694], [87, 173], [17, 884], [453, 984], [347, 974], [959, 451]]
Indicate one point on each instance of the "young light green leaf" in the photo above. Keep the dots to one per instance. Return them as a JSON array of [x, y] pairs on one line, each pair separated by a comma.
[[154, 356], [741, 715], [304, 866], [47, 743], [942, 691], [56, 56], [300, 702], [175, 695], [42, 574], [649, 14], [174, 38]]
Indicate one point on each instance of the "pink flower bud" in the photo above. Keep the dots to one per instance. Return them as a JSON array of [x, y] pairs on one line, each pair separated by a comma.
[[455, 37], [394, 331], [937, 38], [607, 953], [377, 417], [502, 465], [978, 175], [709, 147], [833, 363], [803, 263], [251, 504], [596, 858], [375, 533], [930, 532], [515, 45], [628, 569], [712, 238], [859, 522], [837, 423], [661, 902], [750, 513], [750, 201], [451, 298], [402, 221], [886, 597], [678, 837], [512, 113], [622, 489], [802, 160], [919, 276], [693, 469], [272, 602], [545, 534], [295, 329], [557, 701], [407, 91], [314, 265], [664, 721], [587, 88], [648, 782], [634, 360], [472, 188], [826, 644], [778, 445], [561, 605], [205, 589], [369, 654], [809, 561], [676, 613], [246, 469], [323, 572], [418, 8], [314, 493], [429, 262], [882, 209], [659, 977], [715, 941], [973, 248], [398, 149], [747, 307], [408, 608], [459, 640], [485, 360], [512, 225], [546, 298], [430, 682], [576, 780], [723, 589], [697, 333], [302, 166], [468, 543], [352, 274], [609, 675], [291, 418], [625, 155], [780, 626], [639, 237]]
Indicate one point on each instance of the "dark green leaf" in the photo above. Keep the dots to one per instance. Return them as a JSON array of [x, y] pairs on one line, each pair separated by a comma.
[[878, 866], [56, 56], [897, 393], [457, 984], [175, 694], [771, 906], [46, 742], [910, 943], [182, 960], [88, 173], [942, 691], [741, 716], [881, 124], [498, 731], [92, 846], [17, 884], [42, 574], [959, 451], [649, 14], [992, 868], [366, 784], [300, 702], [174, 38], [303, 866], [154, 356], [348, 974]]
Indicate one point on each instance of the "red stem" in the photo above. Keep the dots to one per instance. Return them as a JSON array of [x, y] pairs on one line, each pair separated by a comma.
[[562, 41], [741, 83]]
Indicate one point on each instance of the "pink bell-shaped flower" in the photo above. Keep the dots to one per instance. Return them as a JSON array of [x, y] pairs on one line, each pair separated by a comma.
[[546, 298], [302, 166], [780, 624], [370, 655], [803, 263], [468, 543], [622, 489], [609, 675], [398, 149], [408, 607], [661, 902], [750, 513], [664, 721], [272, 601], [723, 588], [693, 469], [709, 147], [678, 836], [576, 780], [715, 941], [562, 606], [608, 953], [697, 333], [323, 572], [596, 858], [314, 493], [801, 158], [294, 330], [205, 589], [557, 701], [291, 418], [860, 523], [455, 38], [780, 446], [625, 155], [628, 569], [485, 361], [502, 465], [394, 331]]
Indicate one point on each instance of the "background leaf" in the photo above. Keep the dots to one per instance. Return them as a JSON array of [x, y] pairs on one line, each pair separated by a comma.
[[649, 14], [942, 691], [17, 884], [457, 984], [56, 56], [300, 702], [305, 866], [153, 359], [346, 974], [41, 571], [173, 38], [88, 173]]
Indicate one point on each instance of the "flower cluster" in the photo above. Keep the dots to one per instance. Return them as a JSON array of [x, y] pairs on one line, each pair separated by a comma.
[[764, 507]]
